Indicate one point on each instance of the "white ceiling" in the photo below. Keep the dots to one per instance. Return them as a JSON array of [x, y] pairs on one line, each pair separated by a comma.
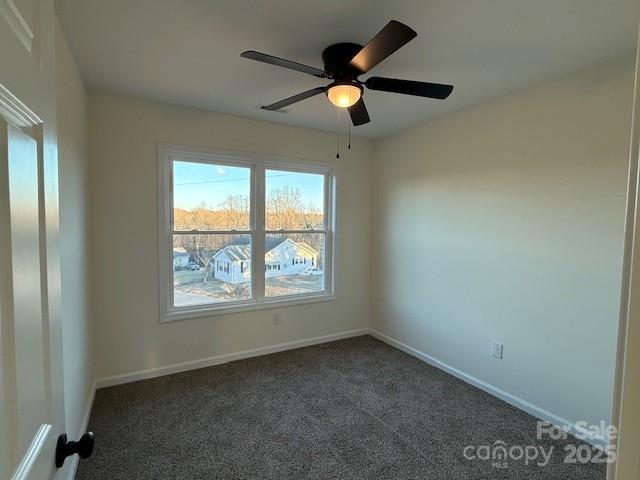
[[187, 52]]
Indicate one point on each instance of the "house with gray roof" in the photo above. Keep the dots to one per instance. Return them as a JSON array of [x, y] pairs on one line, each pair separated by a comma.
[[284, 256]]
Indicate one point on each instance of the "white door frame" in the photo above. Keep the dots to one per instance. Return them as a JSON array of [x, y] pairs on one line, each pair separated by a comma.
[[625, 413]]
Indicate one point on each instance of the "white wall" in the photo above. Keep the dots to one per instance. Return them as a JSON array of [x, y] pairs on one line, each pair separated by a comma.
[[71, 102], [123, 134], [513, 212]]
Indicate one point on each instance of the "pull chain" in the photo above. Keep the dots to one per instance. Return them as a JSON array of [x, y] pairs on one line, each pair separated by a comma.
[[349, 123], [337, 132]]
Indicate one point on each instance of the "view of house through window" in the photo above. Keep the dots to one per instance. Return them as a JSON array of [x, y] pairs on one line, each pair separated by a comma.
[[210, 202], [214, 233], [294, 252]]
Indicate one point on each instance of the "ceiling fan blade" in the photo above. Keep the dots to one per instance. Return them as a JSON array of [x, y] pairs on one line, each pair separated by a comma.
[[296, 98], [281, 62], [358, 113], [409, 87], [393, 36]]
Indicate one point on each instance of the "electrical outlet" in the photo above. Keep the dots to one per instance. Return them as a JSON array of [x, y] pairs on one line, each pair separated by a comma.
[[496, 349], [277, 318]]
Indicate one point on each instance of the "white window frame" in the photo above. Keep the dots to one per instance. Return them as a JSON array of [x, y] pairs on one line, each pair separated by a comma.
[[258, 163]]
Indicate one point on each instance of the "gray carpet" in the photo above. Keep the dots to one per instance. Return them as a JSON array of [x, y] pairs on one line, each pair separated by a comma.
[[353, 409]]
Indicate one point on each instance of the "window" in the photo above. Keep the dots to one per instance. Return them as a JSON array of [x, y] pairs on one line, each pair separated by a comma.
[[225, 217], [295, 228], [210, 220]]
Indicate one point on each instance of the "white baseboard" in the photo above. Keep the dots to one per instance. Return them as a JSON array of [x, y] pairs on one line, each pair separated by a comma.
[[220, 359], [517, 402], [84, 425]]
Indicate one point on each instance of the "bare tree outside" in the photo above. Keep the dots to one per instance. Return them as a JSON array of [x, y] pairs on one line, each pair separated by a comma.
[[234, 212], [286, 211]]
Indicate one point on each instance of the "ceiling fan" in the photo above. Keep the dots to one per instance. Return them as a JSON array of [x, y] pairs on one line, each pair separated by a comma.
[[345, 62]]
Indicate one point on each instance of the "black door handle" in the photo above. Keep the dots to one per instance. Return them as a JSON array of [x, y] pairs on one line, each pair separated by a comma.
[[83, 447]]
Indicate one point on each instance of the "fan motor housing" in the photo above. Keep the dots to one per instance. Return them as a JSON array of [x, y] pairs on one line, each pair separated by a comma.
[[336, 60]]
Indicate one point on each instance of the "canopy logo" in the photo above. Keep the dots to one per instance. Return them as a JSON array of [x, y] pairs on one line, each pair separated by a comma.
[[500, 454]]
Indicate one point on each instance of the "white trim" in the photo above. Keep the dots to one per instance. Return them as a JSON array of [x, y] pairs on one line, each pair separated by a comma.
[[16, 112], [225, 358], [30, 457], [165, 244], [258, 199], [517, 402], [84, 426], [18, 24], [246, 306], [258, 164], [624, 379]]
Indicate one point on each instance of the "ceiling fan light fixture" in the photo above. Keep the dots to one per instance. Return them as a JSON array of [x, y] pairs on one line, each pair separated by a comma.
[[344, 62], [344, 95]]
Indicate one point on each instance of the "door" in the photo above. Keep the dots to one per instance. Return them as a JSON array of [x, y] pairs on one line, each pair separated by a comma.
[[31, 397], [25, 370]]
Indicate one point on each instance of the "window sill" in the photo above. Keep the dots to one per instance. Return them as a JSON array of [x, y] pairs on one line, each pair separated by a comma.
[[186, 313]]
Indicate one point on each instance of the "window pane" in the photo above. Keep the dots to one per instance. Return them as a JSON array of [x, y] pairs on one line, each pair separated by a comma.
[[294, 264], [210, 197], [211, 268], [295, 201]]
